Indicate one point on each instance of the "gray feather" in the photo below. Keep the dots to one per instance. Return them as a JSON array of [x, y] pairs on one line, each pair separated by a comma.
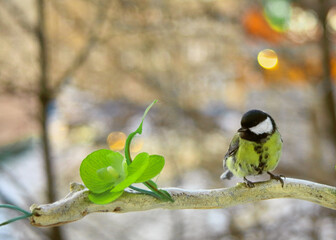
[[226, 175], [233, 148]]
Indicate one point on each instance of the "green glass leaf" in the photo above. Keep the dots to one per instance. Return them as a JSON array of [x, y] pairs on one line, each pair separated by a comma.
[[155, 166], [152, 183], [105, 197], [135, 170], [167, 195], [159, 193], [131, 135], [102, 170]]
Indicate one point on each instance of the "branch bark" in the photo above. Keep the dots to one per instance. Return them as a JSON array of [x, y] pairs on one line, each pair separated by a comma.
[[76, 204]]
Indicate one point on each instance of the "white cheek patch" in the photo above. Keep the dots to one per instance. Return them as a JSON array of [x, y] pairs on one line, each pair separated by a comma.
[[263, 127]]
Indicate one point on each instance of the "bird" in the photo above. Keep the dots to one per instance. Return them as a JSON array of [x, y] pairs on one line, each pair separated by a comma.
[[254, 149]]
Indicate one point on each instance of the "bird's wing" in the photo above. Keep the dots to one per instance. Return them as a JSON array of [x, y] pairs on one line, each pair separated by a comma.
[[234, 145]]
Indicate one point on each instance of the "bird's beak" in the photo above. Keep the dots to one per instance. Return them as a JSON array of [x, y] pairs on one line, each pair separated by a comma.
[[242, 129]]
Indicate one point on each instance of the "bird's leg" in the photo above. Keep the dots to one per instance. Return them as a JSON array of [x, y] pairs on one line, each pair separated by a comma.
[[277, 177], [248, 183]]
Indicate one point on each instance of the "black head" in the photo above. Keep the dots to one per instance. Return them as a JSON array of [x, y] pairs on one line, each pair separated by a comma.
[[252, 118], [256, 125]]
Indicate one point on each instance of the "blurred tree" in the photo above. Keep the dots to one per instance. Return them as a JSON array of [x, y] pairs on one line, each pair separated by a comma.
[[327, 84], [48, 88]]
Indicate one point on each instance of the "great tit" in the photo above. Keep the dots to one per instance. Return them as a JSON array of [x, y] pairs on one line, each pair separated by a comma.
[[255, 148]]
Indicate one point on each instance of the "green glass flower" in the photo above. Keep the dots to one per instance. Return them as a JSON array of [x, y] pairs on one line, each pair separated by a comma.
[[102, 170], [106, 174]]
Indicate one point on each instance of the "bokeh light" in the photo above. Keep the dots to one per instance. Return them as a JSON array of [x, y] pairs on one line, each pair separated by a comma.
[[136, 145], [277, 13], [267, 58], [332, 20], [116, 141], [82, 134], [303, 25]]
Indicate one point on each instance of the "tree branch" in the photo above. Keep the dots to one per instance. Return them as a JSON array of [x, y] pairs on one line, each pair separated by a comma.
[[18, 16], [92, 40], [76, 204]]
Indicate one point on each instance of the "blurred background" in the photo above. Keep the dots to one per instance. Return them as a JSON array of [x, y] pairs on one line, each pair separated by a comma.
[[72, 72]]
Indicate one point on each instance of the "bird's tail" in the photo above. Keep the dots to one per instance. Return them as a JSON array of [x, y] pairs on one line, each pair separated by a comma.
[[226, 175]]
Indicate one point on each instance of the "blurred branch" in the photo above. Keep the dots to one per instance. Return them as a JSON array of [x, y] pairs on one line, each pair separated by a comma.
[[44, 92], [18, 16], [92, 40], [76, 204], [9, 86], [327, 86], [44, 101]]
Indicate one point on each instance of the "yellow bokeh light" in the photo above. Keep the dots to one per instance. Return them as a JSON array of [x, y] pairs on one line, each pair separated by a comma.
[[116, 141], [136, 145], [267, 58]]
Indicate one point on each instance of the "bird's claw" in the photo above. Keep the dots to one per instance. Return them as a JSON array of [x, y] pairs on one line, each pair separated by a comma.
[[278, 178], [248, 183]]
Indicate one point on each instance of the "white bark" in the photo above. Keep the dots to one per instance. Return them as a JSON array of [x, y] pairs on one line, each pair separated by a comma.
[[76, 204]]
